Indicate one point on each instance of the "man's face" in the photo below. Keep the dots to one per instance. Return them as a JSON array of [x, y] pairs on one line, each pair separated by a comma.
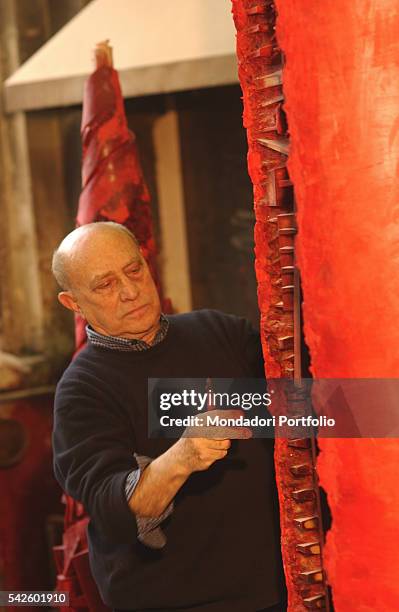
[[112, 286]]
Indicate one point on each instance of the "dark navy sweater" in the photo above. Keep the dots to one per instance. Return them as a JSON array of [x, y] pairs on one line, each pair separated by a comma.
[[222, 552]]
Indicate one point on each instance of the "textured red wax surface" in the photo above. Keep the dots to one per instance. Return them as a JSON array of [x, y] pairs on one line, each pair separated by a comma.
[[341, 83]]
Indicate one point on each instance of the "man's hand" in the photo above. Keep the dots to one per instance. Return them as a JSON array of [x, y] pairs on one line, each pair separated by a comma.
[[201, 446], [195, 451], [197, 454]]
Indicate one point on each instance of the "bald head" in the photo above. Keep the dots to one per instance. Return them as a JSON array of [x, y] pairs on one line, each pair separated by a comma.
[[107, 280], [72, 249]]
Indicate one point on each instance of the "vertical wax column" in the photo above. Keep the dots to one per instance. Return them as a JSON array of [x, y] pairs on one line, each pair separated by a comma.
[[260, 69], [341, 84]]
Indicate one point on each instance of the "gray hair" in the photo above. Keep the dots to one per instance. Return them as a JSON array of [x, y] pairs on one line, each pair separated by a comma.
[[62, 257]]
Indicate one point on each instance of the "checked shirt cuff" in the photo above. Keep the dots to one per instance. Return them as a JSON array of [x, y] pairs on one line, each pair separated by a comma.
[[149, 531]]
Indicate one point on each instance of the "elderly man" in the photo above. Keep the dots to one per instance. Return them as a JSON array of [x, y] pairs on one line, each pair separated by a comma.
[[174, 525]]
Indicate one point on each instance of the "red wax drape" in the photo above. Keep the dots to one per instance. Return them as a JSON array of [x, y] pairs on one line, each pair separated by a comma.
[[341, 83]]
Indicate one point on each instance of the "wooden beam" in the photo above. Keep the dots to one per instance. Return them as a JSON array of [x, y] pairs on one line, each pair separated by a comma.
[[22, 308], [175, 256]]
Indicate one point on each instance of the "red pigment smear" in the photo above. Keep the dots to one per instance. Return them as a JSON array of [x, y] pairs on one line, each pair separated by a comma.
[[341, 83]]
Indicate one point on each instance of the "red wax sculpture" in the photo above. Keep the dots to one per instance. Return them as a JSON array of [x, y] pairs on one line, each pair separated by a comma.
[[341, 84], [113, 186]]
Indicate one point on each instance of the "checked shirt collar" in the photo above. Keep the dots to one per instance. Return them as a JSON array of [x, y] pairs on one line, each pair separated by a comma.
[[125, 344]]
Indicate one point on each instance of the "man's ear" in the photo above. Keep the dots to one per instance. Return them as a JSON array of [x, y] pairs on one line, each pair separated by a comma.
[[66, 299]]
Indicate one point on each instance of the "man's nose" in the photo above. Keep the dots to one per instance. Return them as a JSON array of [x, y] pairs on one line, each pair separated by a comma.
[[128, 290]]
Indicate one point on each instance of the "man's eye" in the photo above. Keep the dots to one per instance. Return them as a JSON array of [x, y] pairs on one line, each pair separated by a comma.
[[134, 270], [104, 285]]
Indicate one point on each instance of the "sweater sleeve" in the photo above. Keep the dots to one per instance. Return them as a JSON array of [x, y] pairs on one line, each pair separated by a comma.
[[251, 349], [93, 449], [246, 343]]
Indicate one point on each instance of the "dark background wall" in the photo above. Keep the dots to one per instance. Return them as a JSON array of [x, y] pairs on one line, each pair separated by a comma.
[[218, 197]]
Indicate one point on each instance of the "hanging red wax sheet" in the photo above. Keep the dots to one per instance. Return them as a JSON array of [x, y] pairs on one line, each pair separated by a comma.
[[341, 84]]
